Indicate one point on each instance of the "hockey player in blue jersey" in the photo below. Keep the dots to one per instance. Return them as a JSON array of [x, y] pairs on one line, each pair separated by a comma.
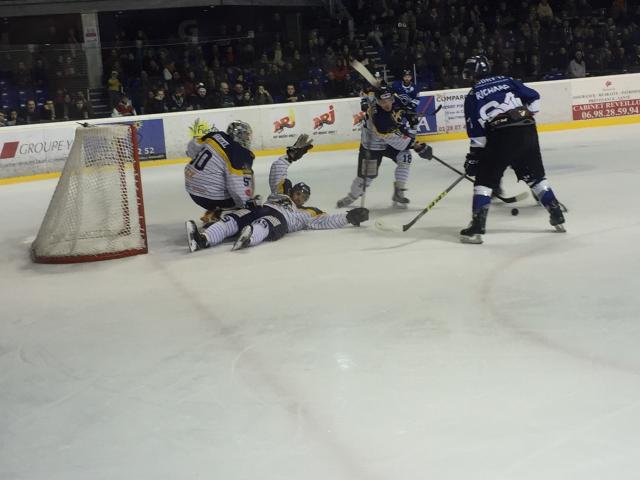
[[499, 113], [405, 89]]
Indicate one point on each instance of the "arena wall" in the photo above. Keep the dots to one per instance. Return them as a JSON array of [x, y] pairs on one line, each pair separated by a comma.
[[38, 151]]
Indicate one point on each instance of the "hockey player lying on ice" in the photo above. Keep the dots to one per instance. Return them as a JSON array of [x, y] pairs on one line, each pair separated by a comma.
[[283, 212]]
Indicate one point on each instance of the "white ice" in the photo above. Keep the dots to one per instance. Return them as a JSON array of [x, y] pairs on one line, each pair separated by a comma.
[[345, 355]]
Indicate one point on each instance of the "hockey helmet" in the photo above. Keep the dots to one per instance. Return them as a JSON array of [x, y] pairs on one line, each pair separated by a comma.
[[476, 67], [406, 71], [304, 192], [302, 188], [240, 132], [383, 92]]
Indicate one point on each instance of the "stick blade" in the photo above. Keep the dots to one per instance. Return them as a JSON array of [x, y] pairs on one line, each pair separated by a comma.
[[387, 227], [364, 71]]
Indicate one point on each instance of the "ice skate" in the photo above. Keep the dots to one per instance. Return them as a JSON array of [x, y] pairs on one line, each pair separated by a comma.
[[195, 239], [244, 239], [556, 218], [346, 201], [473, 233], [399, 200]]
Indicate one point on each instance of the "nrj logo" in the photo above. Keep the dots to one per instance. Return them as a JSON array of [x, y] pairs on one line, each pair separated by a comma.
[[325, 119], [608, 84], [358, 118], [285, 122], [199, 128]]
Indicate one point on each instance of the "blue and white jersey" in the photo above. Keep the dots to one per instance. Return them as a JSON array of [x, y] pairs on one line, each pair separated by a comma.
[[491, 96], [401, 90]]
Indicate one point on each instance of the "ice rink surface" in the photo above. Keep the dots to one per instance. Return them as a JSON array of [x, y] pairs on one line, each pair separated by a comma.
[[351, 354]]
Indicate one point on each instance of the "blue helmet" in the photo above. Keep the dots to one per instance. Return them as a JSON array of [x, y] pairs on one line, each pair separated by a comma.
[[476, 67]]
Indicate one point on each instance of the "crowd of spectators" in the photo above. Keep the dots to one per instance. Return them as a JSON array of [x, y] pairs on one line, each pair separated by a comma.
[[261, 63]]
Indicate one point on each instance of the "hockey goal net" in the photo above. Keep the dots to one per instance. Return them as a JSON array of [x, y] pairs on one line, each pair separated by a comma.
[[96, 212]]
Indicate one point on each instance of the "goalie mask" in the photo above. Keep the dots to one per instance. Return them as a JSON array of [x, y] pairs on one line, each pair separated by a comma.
[[476, 67], [241, 132]]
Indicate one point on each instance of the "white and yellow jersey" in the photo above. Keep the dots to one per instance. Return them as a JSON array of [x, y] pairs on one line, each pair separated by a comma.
[[219, 169], [382, 129], [278, 175], [304, 218]]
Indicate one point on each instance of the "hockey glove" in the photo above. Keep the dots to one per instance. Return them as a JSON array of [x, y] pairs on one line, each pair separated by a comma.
[[412, 118], [365, 103], [424, 150], [357, 216], [211, 216], [254, 202], [297, 150], [472, 162]]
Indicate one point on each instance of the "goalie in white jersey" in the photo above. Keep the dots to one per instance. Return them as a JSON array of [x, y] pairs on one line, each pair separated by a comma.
[[283, 212], [220, 173]]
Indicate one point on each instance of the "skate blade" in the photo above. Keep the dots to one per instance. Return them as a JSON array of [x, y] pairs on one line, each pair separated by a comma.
[[560, 228], [243, 240], [193, 245], [474, 239], [400, 206]]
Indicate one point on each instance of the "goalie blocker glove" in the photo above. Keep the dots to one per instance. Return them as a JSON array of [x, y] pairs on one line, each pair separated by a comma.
[[424, 150], [472, 162], [297, 150], [357, 216]]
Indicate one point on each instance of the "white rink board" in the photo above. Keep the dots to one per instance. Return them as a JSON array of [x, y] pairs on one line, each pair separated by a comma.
[[42, 148]]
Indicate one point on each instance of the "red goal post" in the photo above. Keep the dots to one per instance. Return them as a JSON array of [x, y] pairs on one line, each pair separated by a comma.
[[97, 209]]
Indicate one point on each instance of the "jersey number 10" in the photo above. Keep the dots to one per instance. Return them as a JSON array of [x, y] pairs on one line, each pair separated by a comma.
[[201, 160]]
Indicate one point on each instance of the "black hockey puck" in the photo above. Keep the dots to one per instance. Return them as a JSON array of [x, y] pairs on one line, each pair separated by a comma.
[[514, 211]]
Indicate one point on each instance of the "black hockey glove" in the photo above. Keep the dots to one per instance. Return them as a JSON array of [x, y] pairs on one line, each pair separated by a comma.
[[357, 216], [254, 202], [297, 150], [424, 150], [472, 163], [412, 118]]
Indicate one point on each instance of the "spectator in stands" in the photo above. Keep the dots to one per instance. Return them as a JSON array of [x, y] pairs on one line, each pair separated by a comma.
[[545, 12], [340, 70], [22, 77], [13, 118], [223, 98], [39, 74], [158, 104], [262, 96], [178, 102], [316, 91], [238, 95], [124, 108], [291, 95], [3, 119], [79, 110], [577, 67], [29, 114], [114, 88], [48, 112]]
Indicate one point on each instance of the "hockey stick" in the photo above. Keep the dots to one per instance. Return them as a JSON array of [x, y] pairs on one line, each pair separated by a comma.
[[366, 74], [514, 199], [382, 226]]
